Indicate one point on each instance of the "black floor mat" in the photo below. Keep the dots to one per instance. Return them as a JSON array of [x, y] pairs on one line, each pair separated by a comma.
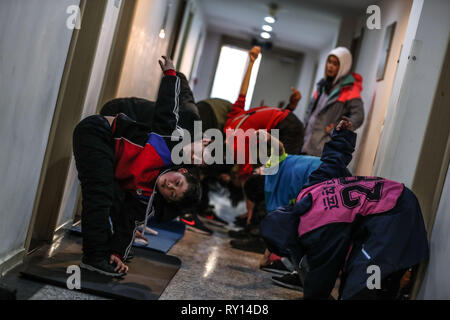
[[149, 271]]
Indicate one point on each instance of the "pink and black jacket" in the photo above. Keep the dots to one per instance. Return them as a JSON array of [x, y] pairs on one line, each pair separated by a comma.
[[345, 223]]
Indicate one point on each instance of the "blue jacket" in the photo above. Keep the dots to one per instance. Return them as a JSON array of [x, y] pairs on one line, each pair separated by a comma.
[[283, 187], [392, 240]]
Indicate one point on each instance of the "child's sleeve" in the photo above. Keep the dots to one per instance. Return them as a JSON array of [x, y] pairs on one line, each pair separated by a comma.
[[167, 106], [186, 96], [237, 107], [336, 155]]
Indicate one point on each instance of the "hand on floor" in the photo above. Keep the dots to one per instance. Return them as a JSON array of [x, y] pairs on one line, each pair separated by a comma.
[[120, 266]]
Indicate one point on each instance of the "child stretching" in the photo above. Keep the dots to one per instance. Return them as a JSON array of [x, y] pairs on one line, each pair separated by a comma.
[[279, 189], [352, 225], [289, 126], [126, 172]]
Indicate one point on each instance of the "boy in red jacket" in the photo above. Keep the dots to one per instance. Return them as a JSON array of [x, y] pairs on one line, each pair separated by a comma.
[[126, 174], [290, 128]]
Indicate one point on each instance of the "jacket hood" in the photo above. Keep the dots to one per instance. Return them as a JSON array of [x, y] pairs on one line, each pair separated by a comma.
[[345, 62]]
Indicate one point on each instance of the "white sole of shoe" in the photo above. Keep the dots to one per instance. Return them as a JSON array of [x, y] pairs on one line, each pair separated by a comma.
[[91, 268]]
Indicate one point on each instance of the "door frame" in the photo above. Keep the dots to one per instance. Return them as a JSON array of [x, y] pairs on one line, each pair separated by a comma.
[[68, 110]]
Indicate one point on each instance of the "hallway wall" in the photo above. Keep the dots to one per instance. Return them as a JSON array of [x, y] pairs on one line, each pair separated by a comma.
[[207, 68], [33, 51], [141, 73], [306, 82], [436, 284], [71, 189], [414, 90], [276, 75], [376, 94], [195, 39]]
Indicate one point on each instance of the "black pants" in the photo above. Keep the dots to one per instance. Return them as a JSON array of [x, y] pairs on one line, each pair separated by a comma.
[[102, 198], [292, 132], [390, 287], [209, 120]]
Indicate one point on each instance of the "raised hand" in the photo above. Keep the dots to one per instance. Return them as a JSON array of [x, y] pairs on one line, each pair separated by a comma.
[[167, 64], [345, 123], [296, 96], [254, 53]]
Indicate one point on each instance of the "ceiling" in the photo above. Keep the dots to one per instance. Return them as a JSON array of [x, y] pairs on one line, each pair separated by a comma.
[[302, 24]]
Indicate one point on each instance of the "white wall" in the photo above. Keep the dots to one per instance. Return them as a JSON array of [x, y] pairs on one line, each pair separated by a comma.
[[207, 66], [415, 84], [141, 73], [436, 283], [34, 43], [91, 102], [275, 77], [306, 82], [194, 43], [376, 94]]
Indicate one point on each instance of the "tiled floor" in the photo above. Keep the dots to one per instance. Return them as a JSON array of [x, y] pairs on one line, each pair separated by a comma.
[[211, 269]]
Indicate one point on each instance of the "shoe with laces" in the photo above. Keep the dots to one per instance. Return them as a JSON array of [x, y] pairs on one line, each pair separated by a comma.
[[194, 224], [289, 280], [101, 266], [277, 267]]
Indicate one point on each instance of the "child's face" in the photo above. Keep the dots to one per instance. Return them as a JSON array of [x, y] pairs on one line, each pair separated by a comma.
[[332, 67], [172, 185]]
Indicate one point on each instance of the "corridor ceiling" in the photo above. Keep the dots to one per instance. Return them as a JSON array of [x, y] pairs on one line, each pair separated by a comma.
[[301, 25]]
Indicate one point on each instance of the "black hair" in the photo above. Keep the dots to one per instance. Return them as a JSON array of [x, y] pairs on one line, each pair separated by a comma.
[[254, 188], [191, 197]]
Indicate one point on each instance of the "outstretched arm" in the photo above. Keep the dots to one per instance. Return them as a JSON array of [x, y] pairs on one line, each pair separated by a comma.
[[167, 105], [336, 155], [239, 105], [253, 53]]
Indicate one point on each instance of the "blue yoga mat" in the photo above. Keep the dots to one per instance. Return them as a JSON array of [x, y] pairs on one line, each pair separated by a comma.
[[168, 234]]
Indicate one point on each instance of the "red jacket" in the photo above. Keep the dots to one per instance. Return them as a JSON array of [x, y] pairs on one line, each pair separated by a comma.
[[255, 118], [141, 151]]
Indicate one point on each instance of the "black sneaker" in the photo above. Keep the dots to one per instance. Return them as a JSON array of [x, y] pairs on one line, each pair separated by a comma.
[[239, 234], [277, 267], [248, 232], [101, 266], [211, 217], [253, 244], [194, 224], [289, 280], [240, 221]]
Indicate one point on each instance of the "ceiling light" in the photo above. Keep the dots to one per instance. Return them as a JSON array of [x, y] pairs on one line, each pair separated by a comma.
[[162, 34], [269, 19], [267, 28], [265, 35]]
